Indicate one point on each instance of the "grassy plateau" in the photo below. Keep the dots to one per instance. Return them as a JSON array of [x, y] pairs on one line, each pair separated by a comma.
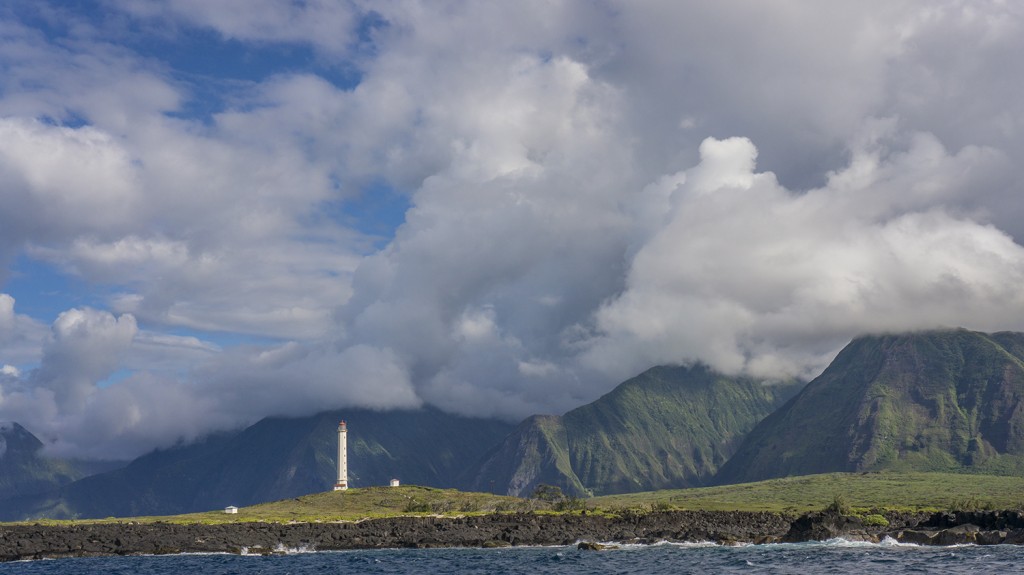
[[896, 491]]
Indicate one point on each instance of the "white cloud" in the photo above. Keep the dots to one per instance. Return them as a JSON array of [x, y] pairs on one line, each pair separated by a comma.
[[746, 273], [59, 182], [85, 347], [69, 404], [242, 382]]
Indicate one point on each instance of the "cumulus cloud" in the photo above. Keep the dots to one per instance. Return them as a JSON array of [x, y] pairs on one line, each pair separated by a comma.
[[749, 276], [592, 189], [60, 182], [86, 346], [70, 401]]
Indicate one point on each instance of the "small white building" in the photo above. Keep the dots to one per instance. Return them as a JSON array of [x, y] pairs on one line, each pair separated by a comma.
[[394, 483], [231, 509]]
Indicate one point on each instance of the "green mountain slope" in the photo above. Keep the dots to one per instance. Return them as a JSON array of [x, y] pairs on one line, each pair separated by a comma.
[[933, 401], [535, 453], [279, 458], [668, 427], [23, 471]]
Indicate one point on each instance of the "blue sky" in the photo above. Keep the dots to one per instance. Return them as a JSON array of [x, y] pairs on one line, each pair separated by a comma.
[[214, 211]]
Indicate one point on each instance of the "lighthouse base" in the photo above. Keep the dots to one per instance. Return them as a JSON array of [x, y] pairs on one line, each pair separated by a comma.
[[340, 486]]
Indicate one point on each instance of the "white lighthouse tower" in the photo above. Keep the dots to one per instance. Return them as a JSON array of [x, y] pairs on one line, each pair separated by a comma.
[[342, 483]]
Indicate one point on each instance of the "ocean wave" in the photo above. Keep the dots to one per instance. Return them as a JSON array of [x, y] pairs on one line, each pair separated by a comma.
[[660, 543], [278, 549]]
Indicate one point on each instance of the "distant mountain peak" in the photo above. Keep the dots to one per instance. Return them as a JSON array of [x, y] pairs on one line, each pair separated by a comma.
[[18, 441], [13, 427], [933, 400], [23, 470]]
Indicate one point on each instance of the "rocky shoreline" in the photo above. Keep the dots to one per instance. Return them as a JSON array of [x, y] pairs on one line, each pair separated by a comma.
[[25, 541]]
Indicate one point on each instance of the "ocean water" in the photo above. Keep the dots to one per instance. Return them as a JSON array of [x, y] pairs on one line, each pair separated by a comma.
[[804, 558]]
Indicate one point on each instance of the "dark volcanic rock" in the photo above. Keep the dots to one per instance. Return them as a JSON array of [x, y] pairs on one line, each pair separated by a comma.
[[979, 527], [825, 526], [42, 541], [498, 530], [916, 537], [965, 527]]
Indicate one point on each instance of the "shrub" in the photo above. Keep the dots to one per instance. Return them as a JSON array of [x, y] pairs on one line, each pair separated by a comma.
[[549, 493], [839, 505], [876, 520], [571, 504]]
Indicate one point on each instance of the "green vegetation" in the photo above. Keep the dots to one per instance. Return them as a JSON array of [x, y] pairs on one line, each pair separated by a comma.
[[971, 503], [553, 496], [546, 492], [875, 520], [857, 492]]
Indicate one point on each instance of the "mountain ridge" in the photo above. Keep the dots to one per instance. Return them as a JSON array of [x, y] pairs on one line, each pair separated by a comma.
[[671, 426], [938, 400]]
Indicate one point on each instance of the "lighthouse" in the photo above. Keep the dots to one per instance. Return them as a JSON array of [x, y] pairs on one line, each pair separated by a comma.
[[342, 483]]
